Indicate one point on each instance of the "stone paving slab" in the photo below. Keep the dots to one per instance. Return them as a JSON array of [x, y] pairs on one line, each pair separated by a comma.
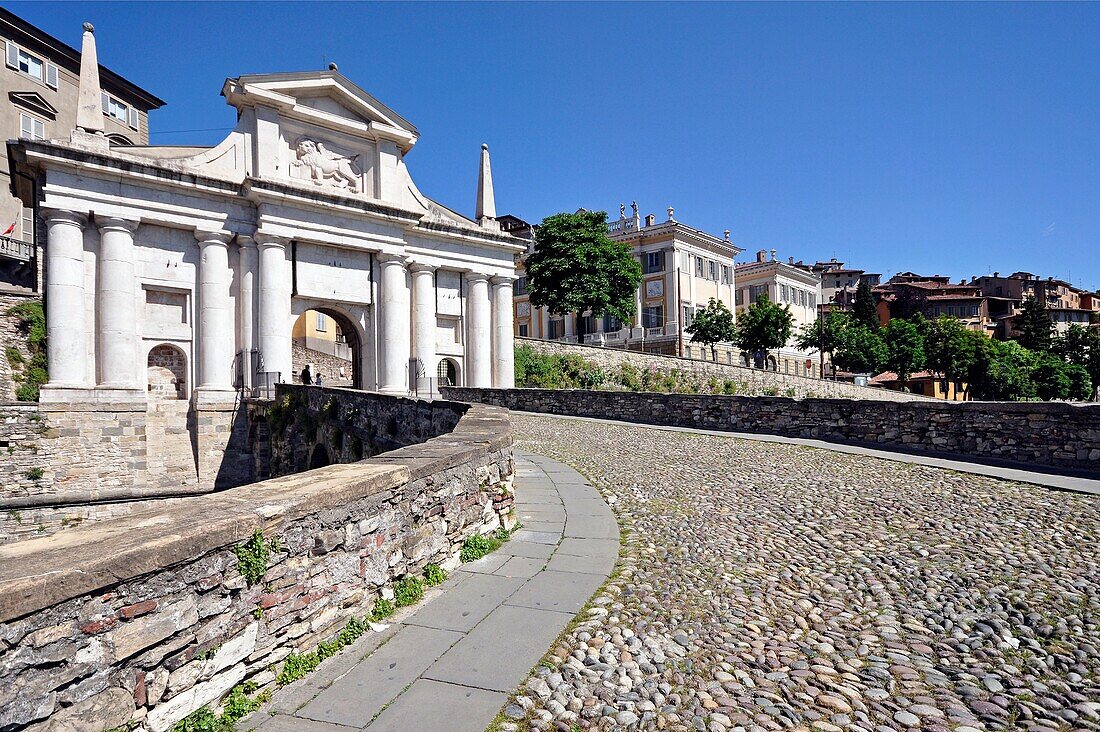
[[449, 663], [430, 705], [380, 677]]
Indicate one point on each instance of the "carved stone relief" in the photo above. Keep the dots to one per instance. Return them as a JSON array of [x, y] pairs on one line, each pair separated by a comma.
[[322, 165]]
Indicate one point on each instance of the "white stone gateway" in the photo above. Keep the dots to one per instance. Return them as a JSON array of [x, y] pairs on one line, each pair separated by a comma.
[[201, 258]]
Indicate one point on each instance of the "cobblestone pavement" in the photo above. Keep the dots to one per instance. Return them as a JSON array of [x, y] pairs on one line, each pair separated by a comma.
[[771, 587]]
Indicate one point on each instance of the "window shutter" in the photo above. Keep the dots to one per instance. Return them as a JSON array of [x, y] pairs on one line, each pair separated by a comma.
[[51, 76], [105, 101], [133, 118], [13, 55]]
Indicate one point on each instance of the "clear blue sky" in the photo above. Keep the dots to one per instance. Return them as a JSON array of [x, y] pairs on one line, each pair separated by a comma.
[[946, 138]]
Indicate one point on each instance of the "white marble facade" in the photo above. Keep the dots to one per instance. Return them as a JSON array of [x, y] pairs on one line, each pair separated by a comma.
[[308, 204]]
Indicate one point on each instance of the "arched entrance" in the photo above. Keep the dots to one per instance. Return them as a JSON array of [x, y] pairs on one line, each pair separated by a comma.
[[329, 343], [447, 373], [166, 373]]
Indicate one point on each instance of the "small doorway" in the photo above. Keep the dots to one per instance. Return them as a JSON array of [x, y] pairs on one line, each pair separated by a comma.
[[447, 373]]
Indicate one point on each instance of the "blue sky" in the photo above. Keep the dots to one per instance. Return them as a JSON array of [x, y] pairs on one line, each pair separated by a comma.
[[947, 138]]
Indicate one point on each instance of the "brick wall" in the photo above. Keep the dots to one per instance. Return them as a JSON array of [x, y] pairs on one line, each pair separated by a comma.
[[146, 617], [1040, 435], [752, 381]]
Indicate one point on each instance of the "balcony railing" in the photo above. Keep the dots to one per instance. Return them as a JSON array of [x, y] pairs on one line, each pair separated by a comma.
[[22, 251]]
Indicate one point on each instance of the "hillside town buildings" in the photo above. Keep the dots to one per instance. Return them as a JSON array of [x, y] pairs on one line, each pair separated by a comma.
[[682, 269], [784, 283]]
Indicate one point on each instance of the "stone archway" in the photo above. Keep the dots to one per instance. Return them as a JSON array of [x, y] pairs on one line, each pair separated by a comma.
[[166, 373], [447, 372], [319, 457], [331, 344]]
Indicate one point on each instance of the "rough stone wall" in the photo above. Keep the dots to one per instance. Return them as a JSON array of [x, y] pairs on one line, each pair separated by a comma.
[[328, 364], [27, 450], [147, 617], [756, 381], [11, 337], [1028, 434]]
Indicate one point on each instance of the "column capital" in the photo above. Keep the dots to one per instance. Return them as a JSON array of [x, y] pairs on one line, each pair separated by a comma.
[[476, 276], [503, 279], [116, 223], [422, 267], [246, 241], [263, 239], [61, 216], [213, 236], [390, 258]]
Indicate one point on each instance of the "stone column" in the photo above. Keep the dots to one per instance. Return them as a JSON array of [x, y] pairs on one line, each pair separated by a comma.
[[479, 363], [424, 317], [247, 307], [215, 321], [116, 337], [393, 326], [274, 310], [66, 330], [504, 372]]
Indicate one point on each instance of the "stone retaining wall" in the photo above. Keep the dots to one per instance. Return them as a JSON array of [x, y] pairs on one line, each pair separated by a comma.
[[754, 381], [142, 619], [1032, 435], [11, 336]]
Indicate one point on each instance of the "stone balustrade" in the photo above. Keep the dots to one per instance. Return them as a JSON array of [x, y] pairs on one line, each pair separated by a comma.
[[1031, 435], [143, 618]]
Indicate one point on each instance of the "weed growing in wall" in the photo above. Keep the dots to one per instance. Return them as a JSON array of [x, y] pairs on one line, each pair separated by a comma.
[[383, 608], [32, 374], [408, 591], [477, 546], [253, 556], [434, 575], [240, 703]]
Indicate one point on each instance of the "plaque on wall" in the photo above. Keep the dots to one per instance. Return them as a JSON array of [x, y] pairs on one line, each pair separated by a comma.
[[655, 288]]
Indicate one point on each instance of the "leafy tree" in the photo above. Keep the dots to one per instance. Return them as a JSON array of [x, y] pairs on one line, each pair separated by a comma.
[[575, 267], [1080, 383], [824, 334], [949, 350], [860, 350], [764, 326], [1001, 371], [905, 349], [713, 324], [1034, 326], [1050, 378], [1073, 345], [863, 309]]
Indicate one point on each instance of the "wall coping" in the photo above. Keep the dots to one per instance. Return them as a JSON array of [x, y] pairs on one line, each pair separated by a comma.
[[39, 573]]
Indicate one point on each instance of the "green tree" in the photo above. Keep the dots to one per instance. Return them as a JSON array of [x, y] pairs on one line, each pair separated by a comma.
[[860, 350], [1048, 373], [1080, 383], [1001, 371], [764, 326], [824, 334], [1034, 326], [905, 349], [863, 309], [949, 350], [713, 324], [576, 268]]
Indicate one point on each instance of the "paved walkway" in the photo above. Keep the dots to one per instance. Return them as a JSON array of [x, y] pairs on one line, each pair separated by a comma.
[[1048, 480], [450, 662]]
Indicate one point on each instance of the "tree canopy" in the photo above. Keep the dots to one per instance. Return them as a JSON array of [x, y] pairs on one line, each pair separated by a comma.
[[949, 349], [863, 309], [575, 267], [1034, 325], [764, 326], [905, 349], [713, 324], [860, 350]]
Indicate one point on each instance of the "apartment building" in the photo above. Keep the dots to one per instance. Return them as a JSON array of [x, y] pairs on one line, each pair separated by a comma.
[[839, 283], [785, 283], [682, 269], [935, 295], [40, 80]]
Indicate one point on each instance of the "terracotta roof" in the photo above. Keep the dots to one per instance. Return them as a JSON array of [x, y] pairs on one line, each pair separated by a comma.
[[888, 376]]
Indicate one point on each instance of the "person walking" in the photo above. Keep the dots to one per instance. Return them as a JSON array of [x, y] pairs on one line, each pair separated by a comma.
[[306, 376], [317, 380]]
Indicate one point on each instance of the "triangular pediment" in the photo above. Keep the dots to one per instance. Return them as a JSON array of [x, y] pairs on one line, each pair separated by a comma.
[[34, 102], [321, 97]]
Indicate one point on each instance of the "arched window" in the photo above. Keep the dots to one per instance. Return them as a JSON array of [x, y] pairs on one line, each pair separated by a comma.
[[166, 373], [447, 373]]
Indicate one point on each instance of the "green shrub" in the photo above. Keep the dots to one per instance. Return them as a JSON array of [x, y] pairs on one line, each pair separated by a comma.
[[15, 358], [434, 575], [408, 591], [383, 608], [477, 546], [253, 556]]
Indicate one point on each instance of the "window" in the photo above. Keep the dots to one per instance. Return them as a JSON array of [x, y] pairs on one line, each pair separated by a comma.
[[727, 275], [521, 286], [653, 317], [782, 293], [802, 298], [31, 128], [654, 262], [523, 329], [755, 291], [588, 323], [713, 273], [813, 299], [689, 315], [699, 266], [611, 324], [31, 65], [557, 329], [28, 224], [838, 283], [322, 322], [739, 297], [113, 108]]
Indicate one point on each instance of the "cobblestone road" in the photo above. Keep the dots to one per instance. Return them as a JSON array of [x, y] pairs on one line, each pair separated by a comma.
[[768, 587]]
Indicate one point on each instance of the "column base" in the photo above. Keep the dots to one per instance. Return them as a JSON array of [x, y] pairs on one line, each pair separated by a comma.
[[393, 391], [207, 397], [62, 393]]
